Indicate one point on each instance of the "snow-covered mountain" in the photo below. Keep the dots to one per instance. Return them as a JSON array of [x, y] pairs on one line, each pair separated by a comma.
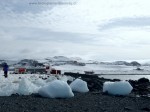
[[58, 59], [133, 63], [62, 60], [145, 62], [79, 65], [9, 62], [54, 61]]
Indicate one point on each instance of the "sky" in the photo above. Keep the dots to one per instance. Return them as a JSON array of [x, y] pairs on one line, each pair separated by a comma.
[[91, 29]]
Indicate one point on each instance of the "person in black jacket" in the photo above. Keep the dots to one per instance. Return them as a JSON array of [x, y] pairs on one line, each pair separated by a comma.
[[5, 69]]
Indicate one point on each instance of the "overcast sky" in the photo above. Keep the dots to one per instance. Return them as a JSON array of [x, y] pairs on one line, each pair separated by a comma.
[[91, 29]]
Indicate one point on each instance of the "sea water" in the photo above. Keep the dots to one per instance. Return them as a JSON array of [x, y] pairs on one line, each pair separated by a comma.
[[125, 77]]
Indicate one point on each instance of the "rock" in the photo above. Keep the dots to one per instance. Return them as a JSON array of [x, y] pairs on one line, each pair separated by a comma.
[[93, 81], [139, 69], [132, 82], [140, 87], [69, 82], [94, 84], [44, 78], [145, 109], [127, 108], [34, 109], [143, 80], [114, 80]]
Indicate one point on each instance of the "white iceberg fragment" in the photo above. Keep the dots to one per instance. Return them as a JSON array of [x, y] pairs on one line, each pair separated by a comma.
[[56, 89], [117, 88], [8, 89], [26, 87], [79, 85]]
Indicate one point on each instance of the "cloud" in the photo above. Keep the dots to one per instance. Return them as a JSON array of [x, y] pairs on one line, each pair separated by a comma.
[[126, 22], [32, 6], [41, 34], [100, 29]]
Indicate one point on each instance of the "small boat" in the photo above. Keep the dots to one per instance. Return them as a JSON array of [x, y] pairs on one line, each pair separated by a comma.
[[138, 68], [89, 72]]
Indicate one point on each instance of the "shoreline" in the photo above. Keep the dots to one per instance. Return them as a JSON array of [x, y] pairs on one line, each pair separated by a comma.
[[93, 101], [121, 74], [67, 73]]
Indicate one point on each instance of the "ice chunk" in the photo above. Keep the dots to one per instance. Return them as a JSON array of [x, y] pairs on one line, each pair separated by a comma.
[[79, 86], [26, 87], [8, 89], [117, 88], [39, 82], [63, 78], [70, 78], [51, 78], [56, 89]]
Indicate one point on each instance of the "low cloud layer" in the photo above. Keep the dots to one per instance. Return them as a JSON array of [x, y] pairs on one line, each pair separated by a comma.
[[136, 22], [101, 30]]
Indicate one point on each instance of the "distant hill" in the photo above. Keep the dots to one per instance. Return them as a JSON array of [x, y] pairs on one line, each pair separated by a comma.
[[133, 63], [62, 60], [30, 62], [58, 59]]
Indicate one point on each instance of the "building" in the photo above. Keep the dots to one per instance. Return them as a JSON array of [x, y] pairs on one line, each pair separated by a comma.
[[23, 70], [20, 70]]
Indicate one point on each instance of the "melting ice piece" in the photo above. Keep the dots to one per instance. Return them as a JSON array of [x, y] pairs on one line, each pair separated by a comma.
[[56, 89], [117, 88], [79, 85]]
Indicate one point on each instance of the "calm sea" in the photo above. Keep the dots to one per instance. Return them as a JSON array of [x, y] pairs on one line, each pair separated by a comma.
[[125, 77]]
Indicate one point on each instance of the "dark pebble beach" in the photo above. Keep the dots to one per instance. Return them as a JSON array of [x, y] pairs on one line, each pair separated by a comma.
[[81, 102], [93, 101]]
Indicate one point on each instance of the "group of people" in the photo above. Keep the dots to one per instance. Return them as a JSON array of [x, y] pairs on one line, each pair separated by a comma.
[[5, 69]]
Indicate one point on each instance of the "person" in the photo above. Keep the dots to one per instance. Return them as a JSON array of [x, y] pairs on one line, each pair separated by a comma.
[[5, 69]]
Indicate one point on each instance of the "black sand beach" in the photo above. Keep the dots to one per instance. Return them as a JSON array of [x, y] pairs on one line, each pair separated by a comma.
[[93, 101], [88, 102]]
